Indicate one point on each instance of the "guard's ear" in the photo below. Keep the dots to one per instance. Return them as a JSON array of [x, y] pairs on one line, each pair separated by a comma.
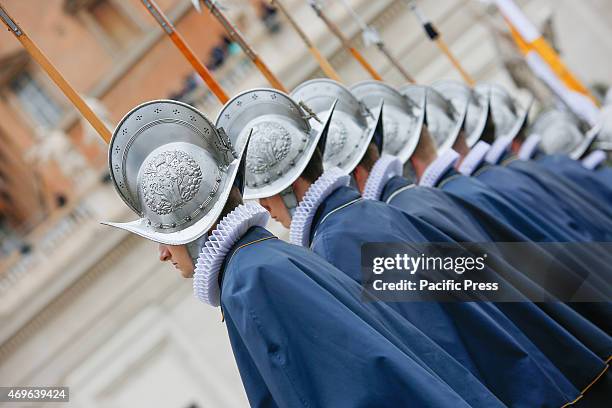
[[378, 136], [240, 179], [323, 138]]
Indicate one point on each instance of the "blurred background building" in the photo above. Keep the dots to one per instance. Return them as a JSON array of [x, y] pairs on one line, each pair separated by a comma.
[[89, 307]]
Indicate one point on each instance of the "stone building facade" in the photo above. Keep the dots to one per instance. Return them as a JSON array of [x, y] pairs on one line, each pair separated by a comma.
[[111, 51]]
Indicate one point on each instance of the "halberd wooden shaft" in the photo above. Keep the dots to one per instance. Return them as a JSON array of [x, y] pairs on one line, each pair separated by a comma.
[[61, 82], [372, 36], [187, 52], [346, 43], [248, 50], [381, 46], [323, 62], [434, 35], [446, 51]]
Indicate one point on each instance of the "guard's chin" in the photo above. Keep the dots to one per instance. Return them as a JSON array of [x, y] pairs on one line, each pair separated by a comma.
[[281, 220], [187, 274], [285, 223]]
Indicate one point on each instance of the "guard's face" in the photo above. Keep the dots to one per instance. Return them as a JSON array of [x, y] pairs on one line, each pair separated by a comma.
[[277, 209], [179, 256]]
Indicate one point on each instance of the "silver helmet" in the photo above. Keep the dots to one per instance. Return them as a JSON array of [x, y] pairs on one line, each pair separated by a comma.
[[282, 141], [509, 118], [402, 117], [350, 132], [173, 168], [559, 132], [562, 133], [444, 121], [477, 112]]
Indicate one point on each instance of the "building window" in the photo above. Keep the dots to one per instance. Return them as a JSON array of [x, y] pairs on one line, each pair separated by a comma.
[[39, 105], [111, 23]]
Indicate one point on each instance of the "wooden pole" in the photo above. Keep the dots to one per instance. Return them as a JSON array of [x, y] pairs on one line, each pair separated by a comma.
[[381, 46], [434, 35], [345, 42], [371, 35], [38, 56], [323, 62], [187, 52], [248, 50], [446, 51]]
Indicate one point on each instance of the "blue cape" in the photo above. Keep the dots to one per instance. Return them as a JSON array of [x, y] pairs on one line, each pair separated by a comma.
[[447, 211], [604, 175], [459, 328], [556, 180], [303, 337], [507, 202], [578, 174], [550, 197]]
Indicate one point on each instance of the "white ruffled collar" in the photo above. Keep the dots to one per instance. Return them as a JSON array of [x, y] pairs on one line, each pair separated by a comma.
[[498, 149], [529, 147], [229, 230], [594, 159], [438, 168], [331, 180], [385, 168], [474, 158]]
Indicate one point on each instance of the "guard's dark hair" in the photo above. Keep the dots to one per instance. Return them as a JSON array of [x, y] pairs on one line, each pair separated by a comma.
[[370, 157], [314, 168], [233, 200], [488, 134], [426, 148]]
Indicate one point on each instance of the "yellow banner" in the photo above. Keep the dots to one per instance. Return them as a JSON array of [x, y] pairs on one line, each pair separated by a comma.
[[541, 46]]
